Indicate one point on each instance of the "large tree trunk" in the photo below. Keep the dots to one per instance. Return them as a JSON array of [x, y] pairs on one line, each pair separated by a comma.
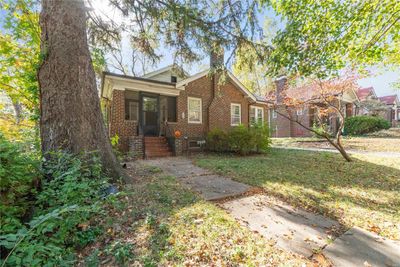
[[71, 119]]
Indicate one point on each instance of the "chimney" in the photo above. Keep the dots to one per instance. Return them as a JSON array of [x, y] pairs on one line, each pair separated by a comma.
[[280, 86], [217, 56]]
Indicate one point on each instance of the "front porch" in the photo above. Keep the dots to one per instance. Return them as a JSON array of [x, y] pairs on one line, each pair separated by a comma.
[[139, 111]]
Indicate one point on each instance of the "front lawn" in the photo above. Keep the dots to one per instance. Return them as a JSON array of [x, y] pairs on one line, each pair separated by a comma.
[[371, 144], [364, 193], [156, 222]]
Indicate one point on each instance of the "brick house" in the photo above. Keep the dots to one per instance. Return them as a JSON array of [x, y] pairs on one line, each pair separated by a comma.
[[282, 127], [149, 112], [393, 111], [365, 94]]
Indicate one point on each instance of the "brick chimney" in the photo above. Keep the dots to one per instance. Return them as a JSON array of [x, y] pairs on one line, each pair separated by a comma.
[[217, 56], [280, 86]]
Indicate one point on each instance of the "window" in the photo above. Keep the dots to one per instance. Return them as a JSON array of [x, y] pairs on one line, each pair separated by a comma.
[[235, 114], [299, 111], [173, 79], [274, 114], [131, 105], [194, 110], [256, 115]]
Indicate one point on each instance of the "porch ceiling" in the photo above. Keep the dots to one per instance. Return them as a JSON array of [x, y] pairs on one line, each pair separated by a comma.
[[120, 82]]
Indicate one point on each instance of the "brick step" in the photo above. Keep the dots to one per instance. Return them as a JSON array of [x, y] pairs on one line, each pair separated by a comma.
[[156, 145], [155, 141], [162, 150], [158, 155], [162, 138]]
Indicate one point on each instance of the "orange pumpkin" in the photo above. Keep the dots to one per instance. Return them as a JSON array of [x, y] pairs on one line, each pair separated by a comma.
[[178, 134]]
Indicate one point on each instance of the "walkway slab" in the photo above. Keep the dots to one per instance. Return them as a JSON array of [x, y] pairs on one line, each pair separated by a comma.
[[209, 186], [293, 229], [214, 187], [177, 166], [358, 247]]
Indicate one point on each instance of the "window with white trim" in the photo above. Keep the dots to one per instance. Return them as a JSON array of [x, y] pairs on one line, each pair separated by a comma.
[[256, 115], [236, 114], [299, 111], [194, 110]]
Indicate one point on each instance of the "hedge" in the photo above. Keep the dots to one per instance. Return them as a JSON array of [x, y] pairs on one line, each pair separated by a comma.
[[240, 139], [360, 125]]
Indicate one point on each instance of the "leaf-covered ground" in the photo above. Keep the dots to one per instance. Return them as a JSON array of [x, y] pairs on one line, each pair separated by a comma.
[[156, 222], [371, 144], [363, 193]]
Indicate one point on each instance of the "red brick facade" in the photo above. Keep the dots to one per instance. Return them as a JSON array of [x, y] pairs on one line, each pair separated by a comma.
[[117, 124], [216, 107], [216, 110]]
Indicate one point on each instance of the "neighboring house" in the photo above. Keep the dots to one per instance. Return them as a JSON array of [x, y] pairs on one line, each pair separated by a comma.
[[365, 94], [393, 112], [165, 113], [306, 114], [391, 102]]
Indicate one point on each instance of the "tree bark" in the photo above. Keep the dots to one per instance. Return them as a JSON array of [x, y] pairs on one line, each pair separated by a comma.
[[70, 119]]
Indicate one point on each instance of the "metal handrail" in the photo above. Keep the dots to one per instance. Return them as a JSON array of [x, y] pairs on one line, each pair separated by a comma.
[[167, 128]]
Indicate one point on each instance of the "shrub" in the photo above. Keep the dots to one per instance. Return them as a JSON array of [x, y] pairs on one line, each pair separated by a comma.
[[18, 175], [261, 137], [359, 125], [64, 210], [217, 140], [241, 140]]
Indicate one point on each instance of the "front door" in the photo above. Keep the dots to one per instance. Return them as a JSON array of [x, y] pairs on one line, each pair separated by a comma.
[[149, 114]]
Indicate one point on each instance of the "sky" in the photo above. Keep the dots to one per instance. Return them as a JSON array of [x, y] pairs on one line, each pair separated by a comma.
[[381, 80]]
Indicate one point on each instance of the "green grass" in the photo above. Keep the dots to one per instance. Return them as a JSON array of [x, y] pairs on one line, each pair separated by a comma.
[[364, 193], [370, 144], [156, 222]]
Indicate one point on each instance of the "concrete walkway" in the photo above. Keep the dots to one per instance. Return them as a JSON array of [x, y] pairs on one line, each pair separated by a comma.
[[349, 151], [208, 185], [291, 228]]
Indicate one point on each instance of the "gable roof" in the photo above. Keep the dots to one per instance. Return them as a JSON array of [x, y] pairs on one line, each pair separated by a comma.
[[363, 93], [165, 69], [389, 99], [233, 78]]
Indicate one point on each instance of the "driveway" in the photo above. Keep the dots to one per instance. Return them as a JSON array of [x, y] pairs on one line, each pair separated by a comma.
[[293, 229]]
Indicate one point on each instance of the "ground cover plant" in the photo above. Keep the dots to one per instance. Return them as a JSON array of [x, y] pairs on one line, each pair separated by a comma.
[[363, 193], [48, 213]]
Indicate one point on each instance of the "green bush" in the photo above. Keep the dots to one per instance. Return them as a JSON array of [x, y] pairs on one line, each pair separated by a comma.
[[261, 137], [241, 140], [360, 125], [18, 176], [62, 221], [217, 140]]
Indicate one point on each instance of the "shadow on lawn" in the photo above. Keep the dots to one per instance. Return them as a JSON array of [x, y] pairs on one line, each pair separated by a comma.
[[323, 182]]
